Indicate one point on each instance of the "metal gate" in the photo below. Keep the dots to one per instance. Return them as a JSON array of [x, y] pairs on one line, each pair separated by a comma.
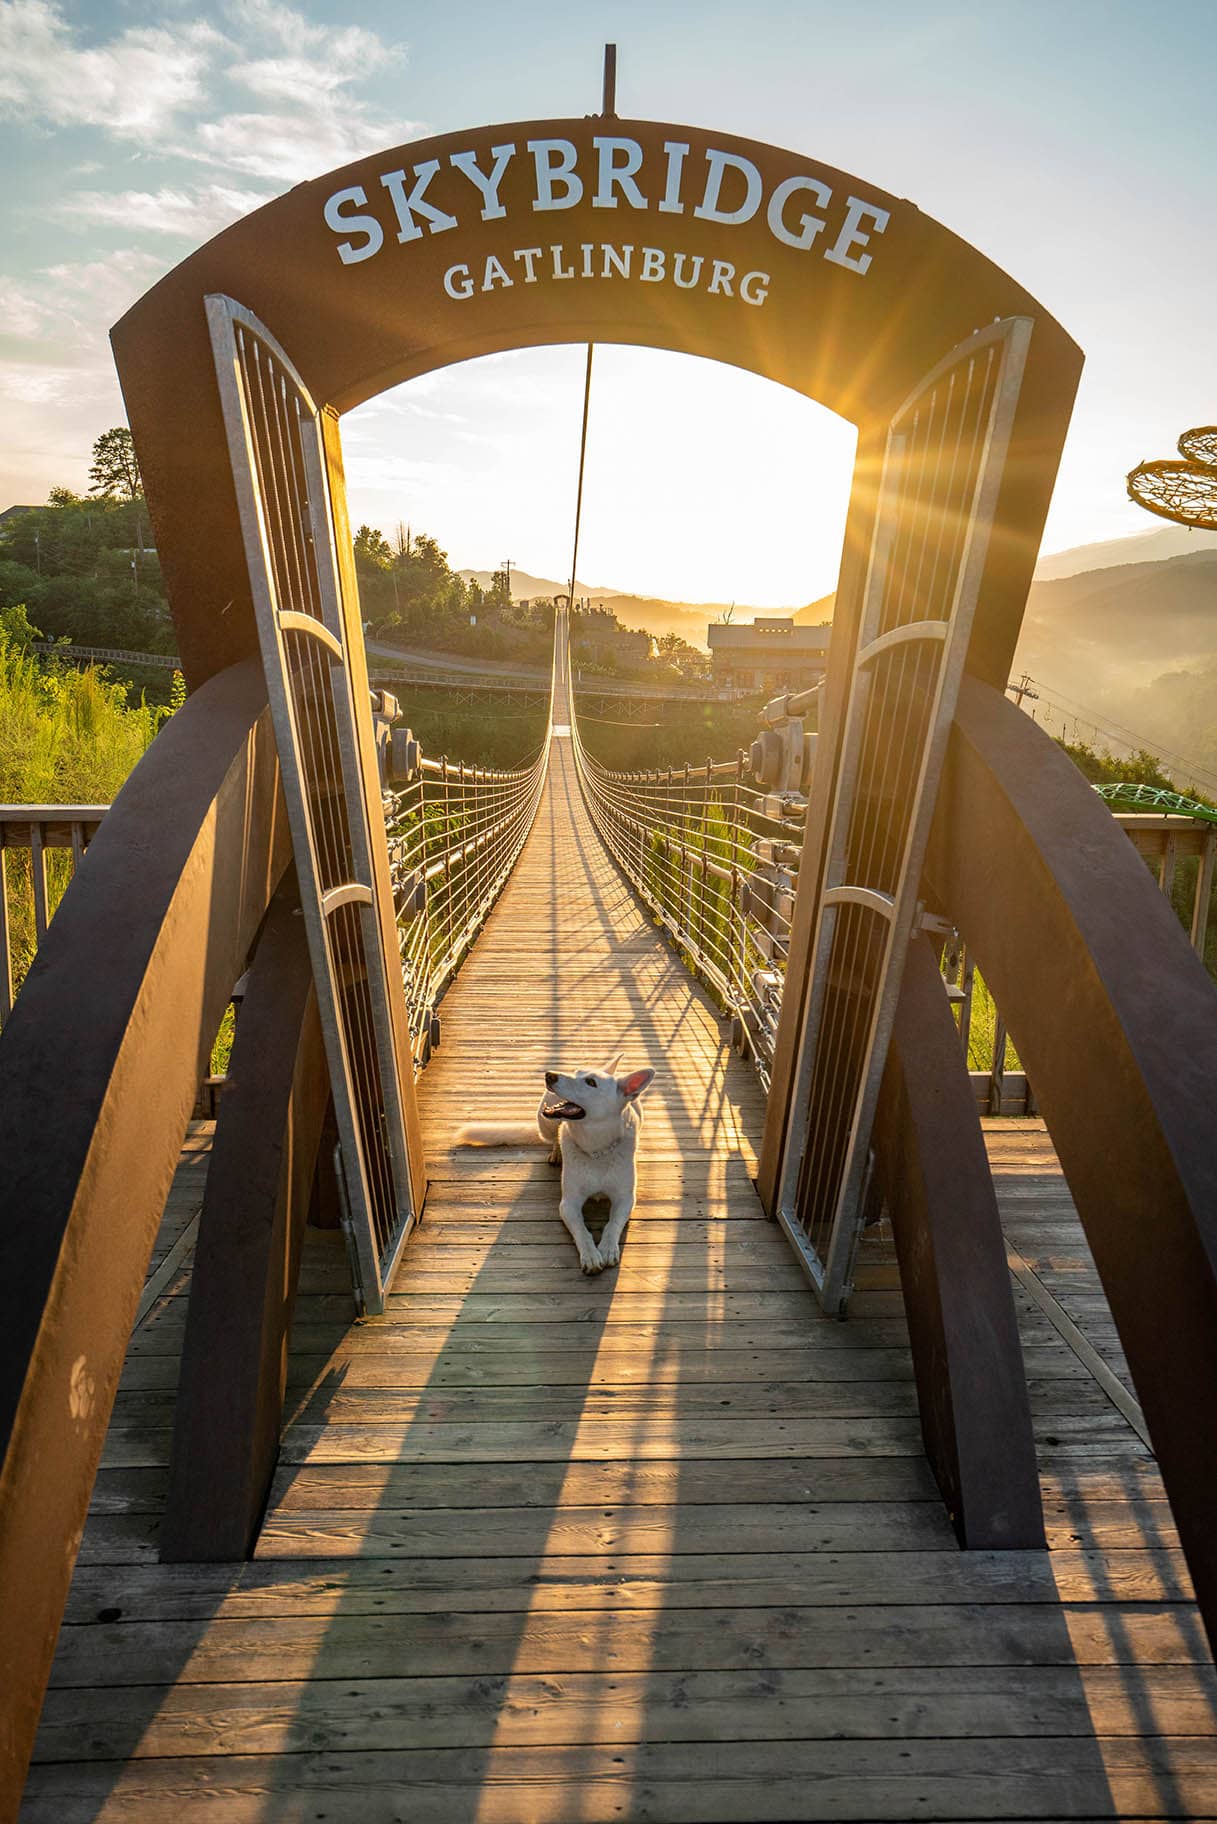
[[942, 470], [283, 485]]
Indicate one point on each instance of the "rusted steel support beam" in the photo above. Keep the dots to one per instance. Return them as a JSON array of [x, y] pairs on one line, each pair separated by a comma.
[[1115, 1020], [935, 1178], [99, 1065], [259, 1183]]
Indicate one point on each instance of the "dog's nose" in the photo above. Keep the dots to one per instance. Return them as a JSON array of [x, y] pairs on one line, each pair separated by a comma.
[[551, 1077]]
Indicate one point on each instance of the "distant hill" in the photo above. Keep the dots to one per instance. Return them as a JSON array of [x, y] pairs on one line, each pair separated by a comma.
[[1126, 628], [1140, 548], [652, 613], [1136, 643], [816, 613]]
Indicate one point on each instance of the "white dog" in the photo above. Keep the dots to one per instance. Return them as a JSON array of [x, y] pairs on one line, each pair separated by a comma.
[[590, 1121]]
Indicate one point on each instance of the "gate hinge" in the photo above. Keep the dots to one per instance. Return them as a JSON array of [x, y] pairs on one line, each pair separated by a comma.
[[932, 923]]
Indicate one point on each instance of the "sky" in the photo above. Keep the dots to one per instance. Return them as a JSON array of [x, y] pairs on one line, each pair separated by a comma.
[[1074, 142]]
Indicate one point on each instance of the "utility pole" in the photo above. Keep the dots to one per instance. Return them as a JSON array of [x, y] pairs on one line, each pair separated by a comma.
[[1023, 689], [507, 563]]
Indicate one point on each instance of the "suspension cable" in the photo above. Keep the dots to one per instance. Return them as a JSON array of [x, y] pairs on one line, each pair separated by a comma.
[[574, 556]]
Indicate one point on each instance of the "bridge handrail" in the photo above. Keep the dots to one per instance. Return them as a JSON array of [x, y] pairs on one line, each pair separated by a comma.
[[1115, 1019], [455, 832], [715, 857], [99, 1067]]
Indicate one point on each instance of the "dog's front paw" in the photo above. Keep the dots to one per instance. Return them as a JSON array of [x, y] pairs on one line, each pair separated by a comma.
[[555, 1158], [610, 1252], [589, 1259]]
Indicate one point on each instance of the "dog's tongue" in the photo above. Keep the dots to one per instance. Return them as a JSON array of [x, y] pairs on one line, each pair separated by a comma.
[[564, 1111]]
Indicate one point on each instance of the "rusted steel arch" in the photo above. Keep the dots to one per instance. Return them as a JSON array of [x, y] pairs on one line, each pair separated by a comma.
[[1115, 1018], [862, 295], [99, 1067]]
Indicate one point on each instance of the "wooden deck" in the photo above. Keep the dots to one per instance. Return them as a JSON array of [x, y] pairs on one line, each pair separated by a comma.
[[660, 1545]]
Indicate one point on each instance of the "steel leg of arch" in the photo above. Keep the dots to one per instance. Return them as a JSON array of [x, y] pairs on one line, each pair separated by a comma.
[[1115, 1019], [259, 1184], [935, 1178]]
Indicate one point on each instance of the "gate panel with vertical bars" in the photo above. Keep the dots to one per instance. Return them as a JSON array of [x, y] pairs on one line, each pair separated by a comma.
[[277, 448], [942, 471]]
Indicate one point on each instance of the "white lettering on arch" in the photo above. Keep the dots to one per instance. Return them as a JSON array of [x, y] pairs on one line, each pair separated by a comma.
[[620, 159], [809, 225], [708, 209], [851, 235], [555, 161], [343, 223], [492, 208], [676, 152], [408, 205], [458, 282], [495, 273]]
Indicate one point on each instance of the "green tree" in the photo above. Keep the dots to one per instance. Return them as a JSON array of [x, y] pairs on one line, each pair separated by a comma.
[[114, 471], [373, 547], [74, 565]]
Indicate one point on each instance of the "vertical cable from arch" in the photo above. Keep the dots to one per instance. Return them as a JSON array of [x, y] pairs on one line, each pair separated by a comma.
[[574, 555]]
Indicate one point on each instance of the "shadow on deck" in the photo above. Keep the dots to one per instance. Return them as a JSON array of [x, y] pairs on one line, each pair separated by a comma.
[[659, 1545]]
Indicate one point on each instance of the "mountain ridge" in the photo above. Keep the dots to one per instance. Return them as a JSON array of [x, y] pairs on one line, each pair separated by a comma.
[[660, 614]]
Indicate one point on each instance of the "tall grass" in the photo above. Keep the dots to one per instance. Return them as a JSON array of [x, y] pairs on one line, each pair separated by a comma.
[[66, 737]]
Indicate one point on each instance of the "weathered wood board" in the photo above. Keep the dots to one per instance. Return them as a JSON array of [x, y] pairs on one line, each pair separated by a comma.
[[660, 1545]]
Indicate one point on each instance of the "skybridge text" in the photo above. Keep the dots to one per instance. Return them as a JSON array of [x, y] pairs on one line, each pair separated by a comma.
[[721, 187]]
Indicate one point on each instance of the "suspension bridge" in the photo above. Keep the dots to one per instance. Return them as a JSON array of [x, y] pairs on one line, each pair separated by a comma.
[[660, 1543], [876, 1481]]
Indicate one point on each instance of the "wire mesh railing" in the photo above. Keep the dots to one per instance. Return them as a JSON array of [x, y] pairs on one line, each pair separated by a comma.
[[714, 851], [455, 832]]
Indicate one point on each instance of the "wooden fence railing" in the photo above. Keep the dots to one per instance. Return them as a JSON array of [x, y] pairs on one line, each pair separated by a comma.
[[41, 847]]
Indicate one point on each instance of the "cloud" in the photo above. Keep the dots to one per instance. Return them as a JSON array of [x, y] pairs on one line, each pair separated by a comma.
[[67, 305], [134, 86], [193, 213], [57, 376], [185, 92], [293, 147]]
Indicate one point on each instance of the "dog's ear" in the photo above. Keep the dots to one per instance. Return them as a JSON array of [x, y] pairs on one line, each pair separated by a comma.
[[610, 1069], [635, 1083]]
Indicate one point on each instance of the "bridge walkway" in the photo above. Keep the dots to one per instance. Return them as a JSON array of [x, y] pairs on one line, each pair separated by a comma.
[[656, 1545]]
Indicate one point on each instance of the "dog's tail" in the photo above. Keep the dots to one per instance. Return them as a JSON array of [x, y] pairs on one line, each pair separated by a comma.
[[498, 1133]]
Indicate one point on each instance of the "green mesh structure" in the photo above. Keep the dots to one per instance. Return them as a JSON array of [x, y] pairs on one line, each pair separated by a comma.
[[1155, 798]]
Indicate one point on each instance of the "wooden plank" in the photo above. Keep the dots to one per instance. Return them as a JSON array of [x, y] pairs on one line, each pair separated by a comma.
[[167, 1273], [162, 1333], [1130, 1503], [614, 1580], [362, 1364], [693, 1706], [384, 1403], [339, 1645], [384, 1532], [725, 1788], [1085, 1351]]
